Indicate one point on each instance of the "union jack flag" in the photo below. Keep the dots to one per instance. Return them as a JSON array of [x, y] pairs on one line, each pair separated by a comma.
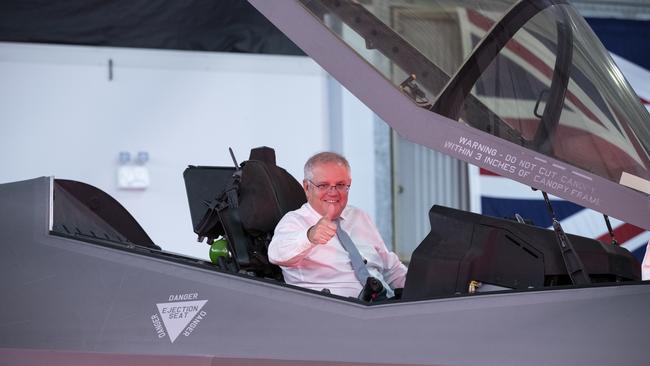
[[496, 196]]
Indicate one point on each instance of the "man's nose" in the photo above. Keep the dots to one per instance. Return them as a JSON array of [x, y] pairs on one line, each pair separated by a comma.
[[332, 191]]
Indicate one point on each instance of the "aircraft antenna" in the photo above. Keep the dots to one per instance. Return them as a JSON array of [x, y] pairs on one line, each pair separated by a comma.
[[574, 266], [609, 228], [234, 160]]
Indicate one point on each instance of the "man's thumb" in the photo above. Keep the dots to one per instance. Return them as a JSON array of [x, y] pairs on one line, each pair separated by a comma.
[[331, 212]]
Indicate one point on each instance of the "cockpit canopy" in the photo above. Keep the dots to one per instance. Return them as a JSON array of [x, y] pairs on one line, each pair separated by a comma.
[[523, 87], [530, 72]]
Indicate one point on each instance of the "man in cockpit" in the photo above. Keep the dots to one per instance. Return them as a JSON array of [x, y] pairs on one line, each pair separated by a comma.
[[310, 251]]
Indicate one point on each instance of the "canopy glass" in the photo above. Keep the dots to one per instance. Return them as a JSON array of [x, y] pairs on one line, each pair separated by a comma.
[[530, 72]]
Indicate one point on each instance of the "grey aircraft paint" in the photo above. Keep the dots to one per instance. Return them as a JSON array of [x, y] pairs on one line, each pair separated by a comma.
[[81, 298], [72, 301]]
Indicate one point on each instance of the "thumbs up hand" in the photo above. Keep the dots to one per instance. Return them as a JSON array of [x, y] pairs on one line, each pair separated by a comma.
[[324, 229]]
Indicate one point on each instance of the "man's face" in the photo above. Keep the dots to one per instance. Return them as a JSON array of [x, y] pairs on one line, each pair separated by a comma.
[[330, 174]]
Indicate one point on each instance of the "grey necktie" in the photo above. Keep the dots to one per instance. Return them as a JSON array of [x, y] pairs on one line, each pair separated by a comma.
[[359, 267]]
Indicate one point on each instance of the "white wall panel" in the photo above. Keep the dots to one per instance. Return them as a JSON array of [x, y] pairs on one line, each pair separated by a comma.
[[61, 115]]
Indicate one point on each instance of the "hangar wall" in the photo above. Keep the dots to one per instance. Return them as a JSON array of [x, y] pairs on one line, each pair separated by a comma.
[[65, 113]]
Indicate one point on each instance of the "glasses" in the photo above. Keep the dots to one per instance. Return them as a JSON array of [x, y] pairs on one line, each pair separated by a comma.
[[324, 187]]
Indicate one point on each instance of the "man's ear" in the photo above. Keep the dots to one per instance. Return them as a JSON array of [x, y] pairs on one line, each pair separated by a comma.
[[305, 185]]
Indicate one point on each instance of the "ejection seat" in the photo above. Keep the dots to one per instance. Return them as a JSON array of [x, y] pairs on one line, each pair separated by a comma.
[[243, 204]]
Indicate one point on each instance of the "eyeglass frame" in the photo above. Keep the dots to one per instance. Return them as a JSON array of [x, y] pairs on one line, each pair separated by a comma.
[[323, 189]]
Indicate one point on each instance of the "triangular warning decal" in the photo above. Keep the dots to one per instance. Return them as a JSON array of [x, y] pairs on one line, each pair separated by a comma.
[[177, 315]]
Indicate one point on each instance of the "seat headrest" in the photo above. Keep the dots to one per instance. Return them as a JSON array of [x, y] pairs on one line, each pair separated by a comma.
[[263, 153]]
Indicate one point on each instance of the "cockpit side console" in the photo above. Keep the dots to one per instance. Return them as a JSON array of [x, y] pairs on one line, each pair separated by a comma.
[[466, 252]]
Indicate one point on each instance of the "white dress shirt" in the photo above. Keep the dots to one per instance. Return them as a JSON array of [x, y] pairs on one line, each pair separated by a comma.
[[317, 267]]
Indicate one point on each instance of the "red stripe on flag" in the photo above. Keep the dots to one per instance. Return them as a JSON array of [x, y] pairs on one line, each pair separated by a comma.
[[622, 234], [633, 139], [478, 19], [519, 49], [644, 101], [487, 172]]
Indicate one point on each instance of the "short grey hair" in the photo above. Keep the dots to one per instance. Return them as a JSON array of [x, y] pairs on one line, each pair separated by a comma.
[[322, 158]]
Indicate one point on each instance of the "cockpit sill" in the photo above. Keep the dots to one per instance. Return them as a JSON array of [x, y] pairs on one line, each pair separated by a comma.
[[81, 212], [199, 264], [80, 286]]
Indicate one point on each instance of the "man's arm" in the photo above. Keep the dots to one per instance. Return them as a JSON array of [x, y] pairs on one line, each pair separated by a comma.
[[394, 269], [294, 238], [289, 244]]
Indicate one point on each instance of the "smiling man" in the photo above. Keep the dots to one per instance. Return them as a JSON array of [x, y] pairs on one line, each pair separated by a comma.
[[308, 248]]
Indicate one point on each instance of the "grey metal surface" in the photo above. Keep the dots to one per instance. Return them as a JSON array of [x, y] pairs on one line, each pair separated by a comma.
[[67, 295], [10, 356], [445, 135]]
